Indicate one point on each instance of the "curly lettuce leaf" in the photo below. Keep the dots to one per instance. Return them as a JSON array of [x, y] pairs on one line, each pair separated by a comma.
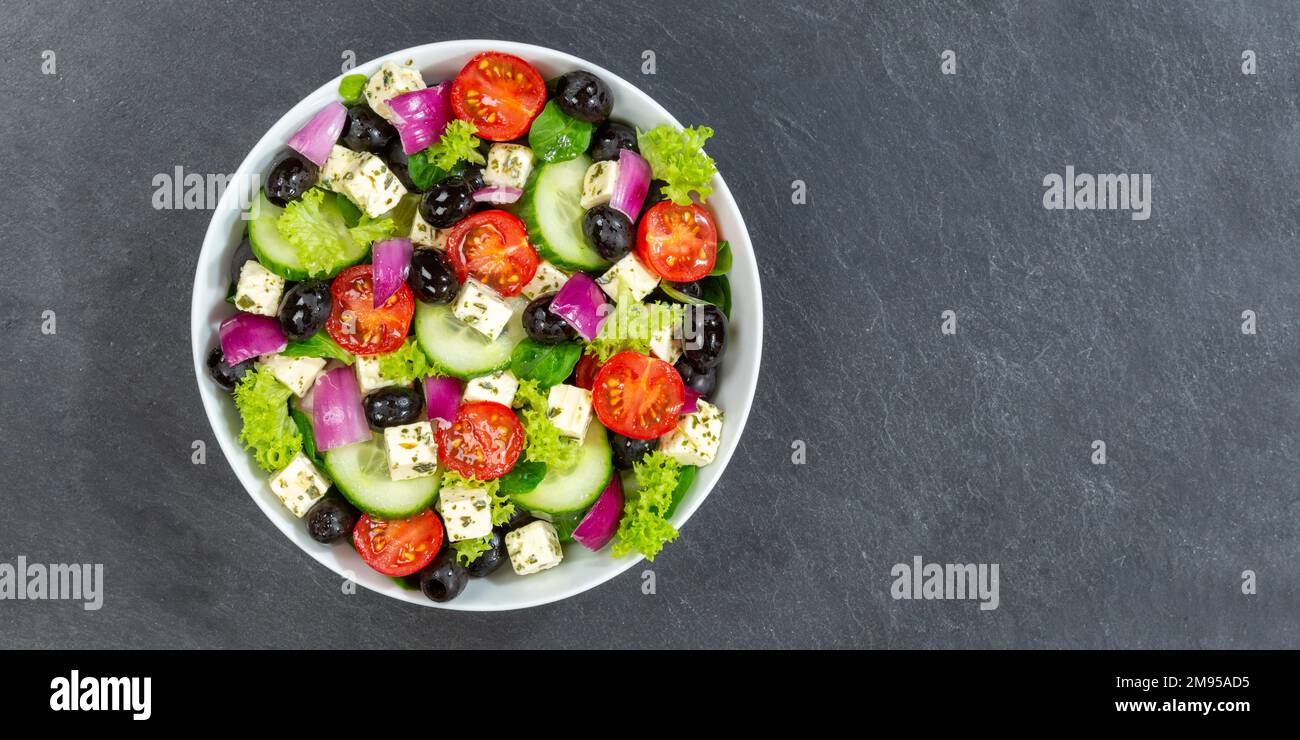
[[458, 144], [319, 344], [467, 551], [630, 326], [677, 157], [644, 527], [405, 365], [544, 442], [320, 236], [269, 431]]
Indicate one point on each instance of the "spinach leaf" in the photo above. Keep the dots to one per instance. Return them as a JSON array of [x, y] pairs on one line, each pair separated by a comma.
[[556, 136], [523, 477], [723, 264], [318, 345], [547, 364], [352, 88]]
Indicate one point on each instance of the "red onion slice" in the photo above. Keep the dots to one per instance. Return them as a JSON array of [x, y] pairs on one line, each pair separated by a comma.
[[581, 303], [691, 404], [441, 398], [499, 194], [315, 140], [597, 528], [420, 116], [390, 264], [632, 184], [247, 335], [338, 418]]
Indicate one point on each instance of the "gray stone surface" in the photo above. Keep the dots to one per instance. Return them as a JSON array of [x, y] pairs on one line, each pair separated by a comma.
[[925, 195]]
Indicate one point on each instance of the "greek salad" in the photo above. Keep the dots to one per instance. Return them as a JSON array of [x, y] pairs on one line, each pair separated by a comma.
[[479, 322]]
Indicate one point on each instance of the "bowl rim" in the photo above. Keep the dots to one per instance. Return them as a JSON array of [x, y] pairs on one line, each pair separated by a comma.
[[216, 241]]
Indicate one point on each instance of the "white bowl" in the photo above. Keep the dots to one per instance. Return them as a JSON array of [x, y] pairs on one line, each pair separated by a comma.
[[581, 569]]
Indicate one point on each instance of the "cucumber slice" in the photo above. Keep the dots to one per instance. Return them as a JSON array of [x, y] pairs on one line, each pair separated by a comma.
[[458, 349], [360, 471], [562, 495], [551, 212], [279, 256]]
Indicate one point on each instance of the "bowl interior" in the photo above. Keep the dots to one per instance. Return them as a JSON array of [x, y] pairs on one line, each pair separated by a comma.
[[581, 568]]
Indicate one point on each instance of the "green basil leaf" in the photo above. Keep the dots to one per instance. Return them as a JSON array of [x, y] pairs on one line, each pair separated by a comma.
[[556, 136], [684, 481], [547, 364], [523, 477], [352, 88], [318, 345], [723, 264]]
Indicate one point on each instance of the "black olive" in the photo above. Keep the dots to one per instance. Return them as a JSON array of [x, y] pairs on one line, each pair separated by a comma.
[[703, 382], [432, 279], [226, 375], [473, 174], [444, 578], [655, 194], [704, 332], [691, 289], [366, 131], [243, 253], [448, 201], [393, 406], [489, 560], [583, 96], [398, 162], [305, 308], [331, 519], [609, 231], [611, 138], [290, 176], [628, 451], [543, 325]]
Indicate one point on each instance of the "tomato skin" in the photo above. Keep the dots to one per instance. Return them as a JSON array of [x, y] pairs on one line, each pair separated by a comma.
[[398, 547], [584, 375], [678, 243], [499, 93], [493, 248], [357, 325], [638, 396], [483, 441]]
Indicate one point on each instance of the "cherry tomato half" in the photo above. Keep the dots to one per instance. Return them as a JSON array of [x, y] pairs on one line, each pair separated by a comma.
[[677, 243], [398, 547], [492, 247], [500, 94], [357, 325], [483, 441], [638, 396]]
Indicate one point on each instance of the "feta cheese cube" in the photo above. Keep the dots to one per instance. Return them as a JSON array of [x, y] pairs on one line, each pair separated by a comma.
[[628, 273], [569, 408], [412, 451], [499, 386], [534, 547], [368, 376], [665, 341], [466, 512], [340, 162], [508, 165], [696, 439], [298, 373], [259, 289], [598, 183], [425, 235], [299, 485], [372, 186], [548, 279], [482, 308], [390, 81]]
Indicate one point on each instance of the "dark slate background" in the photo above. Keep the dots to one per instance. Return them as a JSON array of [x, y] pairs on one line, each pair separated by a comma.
[[925, 195]]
